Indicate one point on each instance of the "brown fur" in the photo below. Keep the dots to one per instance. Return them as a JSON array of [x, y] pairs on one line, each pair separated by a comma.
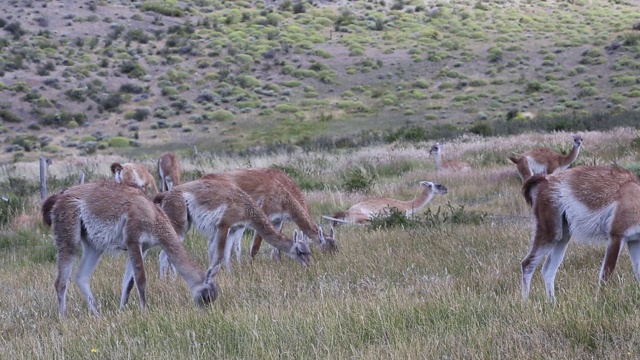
[[169, 171], [548, 159], [364, 211], [219, 209], [47, 207], [530, 184], [450, 165], [587, 203], [105, 217], [278, 194], [135, 174]]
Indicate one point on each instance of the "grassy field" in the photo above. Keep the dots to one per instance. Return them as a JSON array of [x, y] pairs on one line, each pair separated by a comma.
[[449, 288]]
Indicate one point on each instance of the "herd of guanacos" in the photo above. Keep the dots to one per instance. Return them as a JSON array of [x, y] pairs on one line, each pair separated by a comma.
[[584, 202]]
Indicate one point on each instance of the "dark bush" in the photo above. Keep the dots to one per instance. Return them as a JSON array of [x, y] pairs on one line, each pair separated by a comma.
[[482, 128], [15, 29], [358, 179], [407, 133], [8, 116], [63, 118], [130, 88], [111, 102], [141, 114], [133, 69], [298, 7]]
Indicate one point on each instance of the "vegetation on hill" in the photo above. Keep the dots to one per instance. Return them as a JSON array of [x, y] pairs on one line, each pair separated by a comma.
[[232, 75]]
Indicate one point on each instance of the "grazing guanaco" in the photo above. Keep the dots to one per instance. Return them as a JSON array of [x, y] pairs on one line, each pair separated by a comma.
[[109, 217], [449, 165], [220, 210], [134, 174], [362, 212], [281, 199], [545, 160], [586, 203], [169, 171]]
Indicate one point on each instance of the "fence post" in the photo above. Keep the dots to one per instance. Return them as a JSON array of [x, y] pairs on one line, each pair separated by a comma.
[[43, 177], [82, 178]]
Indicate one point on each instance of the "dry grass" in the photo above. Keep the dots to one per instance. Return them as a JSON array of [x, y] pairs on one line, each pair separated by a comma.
[[450, 291], [481, 59]]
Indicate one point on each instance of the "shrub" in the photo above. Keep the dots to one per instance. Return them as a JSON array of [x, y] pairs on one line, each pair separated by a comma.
[[292, 83], [77, 94], [222, 115], [533, 86], [617, 98], [130, 88], [133, 69], [358, 179], [587, 91], [353, 106], [119, 142], [111, 102], [482, 128], [141, 114], [61, 119], [162, 7], [248, 81], [8, 116], [421, 84], [15, 29], [495, 54], [287, 108], [407, 133]]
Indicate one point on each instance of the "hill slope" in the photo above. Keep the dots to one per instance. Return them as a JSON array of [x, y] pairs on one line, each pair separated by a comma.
[[227, 75]]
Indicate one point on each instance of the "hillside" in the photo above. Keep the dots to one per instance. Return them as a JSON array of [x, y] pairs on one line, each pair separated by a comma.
[[114, 76]]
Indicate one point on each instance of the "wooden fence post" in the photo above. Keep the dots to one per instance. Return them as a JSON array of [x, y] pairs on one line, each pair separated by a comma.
[[43, 177]]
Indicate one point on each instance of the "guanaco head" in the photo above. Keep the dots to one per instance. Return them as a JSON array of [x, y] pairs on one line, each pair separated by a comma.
[[434, 187], [115, 167], [300, 250], [208, 292], [577, 140], [328, 243], [435, 149]]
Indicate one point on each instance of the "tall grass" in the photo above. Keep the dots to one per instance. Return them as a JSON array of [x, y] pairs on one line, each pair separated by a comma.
[[447, 291]]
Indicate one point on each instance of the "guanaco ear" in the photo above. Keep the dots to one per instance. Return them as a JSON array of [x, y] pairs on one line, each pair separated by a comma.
[[211, 273], [332, 233], [321, 233], [295, 237]]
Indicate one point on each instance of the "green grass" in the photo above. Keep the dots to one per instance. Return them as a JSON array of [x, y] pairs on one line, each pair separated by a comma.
[[449, 289]]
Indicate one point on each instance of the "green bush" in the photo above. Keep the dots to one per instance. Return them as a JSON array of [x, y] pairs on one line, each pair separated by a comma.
[[119, 142], [133, 69], [166, 8], [61, 119], [587, 92], [287, 108], [358, 179], [8, 116], [292, 83], [248, 81], [533, 86], [222, 115]]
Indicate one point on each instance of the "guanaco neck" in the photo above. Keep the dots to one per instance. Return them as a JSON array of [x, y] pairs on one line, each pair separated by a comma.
[[263, 227], [177, 255], [438, 161], [572, 156], [300, 215], [420, 201]]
